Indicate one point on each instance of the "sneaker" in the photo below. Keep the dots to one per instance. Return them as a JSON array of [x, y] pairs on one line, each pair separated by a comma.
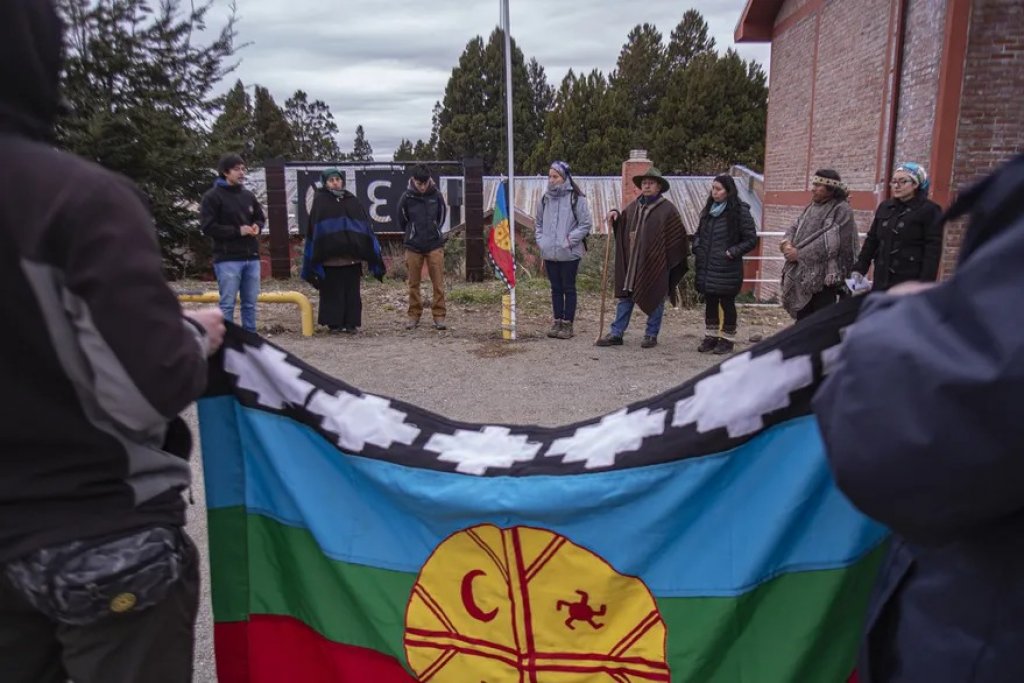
[[439, 324], [412, 324], [350, 330], [649, 342], [708, 344], [723, 347], [566, 331], [609, 340], [556, 328]]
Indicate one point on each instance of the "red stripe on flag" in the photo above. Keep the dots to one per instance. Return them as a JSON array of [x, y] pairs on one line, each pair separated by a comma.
[[270, 649]]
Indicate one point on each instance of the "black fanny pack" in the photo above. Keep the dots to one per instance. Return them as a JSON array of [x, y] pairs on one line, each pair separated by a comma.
[[82, 582]]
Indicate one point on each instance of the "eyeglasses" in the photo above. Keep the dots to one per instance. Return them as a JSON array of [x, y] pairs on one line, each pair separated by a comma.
[[900, 181]]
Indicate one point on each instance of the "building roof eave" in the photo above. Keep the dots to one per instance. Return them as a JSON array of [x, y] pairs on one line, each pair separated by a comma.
[[757, 22]]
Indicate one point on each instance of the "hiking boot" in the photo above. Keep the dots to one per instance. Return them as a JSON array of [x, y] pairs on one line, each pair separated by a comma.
[[556, 328], [708, 344], [439, 324], [566, 331], [609, 340], [412, 323], [649, 342], [723, 347]]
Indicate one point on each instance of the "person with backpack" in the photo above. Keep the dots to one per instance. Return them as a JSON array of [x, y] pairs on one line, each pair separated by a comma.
[[905, 239], [726, 232], [563, 223], [421, 213], [921, 419]]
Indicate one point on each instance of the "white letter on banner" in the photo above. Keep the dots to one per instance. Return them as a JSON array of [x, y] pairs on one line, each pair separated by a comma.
[[378, 202]]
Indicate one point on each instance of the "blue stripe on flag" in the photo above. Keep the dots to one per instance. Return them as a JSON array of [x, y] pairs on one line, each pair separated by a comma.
[[717, 525]]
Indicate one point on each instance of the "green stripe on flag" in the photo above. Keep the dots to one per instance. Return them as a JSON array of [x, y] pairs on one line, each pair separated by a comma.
[[798, 627]]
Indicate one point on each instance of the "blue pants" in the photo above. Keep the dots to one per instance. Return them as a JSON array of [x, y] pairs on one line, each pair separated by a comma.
[[562, 275], [234, 278], [624, 311]]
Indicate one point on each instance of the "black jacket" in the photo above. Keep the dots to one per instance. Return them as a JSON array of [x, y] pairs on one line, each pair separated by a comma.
[[716, 273], [420, 216], [225, 209], [96, 358], [339, 227], [904, 242]]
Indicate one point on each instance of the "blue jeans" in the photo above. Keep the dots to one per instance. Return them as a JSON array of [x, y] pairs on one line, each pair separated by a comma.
[[623, 312], [562, 275], [234, 278]]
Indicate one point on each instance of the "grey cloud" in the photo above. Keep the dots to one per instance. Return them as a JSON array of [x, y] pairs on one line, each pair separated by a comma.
[[384, 65]]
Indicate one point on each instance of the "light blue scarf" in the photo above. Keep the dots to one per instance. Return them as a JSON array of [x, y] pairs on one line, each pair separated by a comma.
[[717, 208]]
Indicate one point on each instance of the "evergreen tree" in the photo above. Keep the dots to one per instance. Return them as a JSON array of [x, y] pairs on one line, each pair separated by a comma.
[[689, 38], [639, 80], [404, 151], [233, 129], [713, 115], [273, 136], [361, 149], [138, 81], [471, 120], [542, 101], [423, 151], [313, 128]]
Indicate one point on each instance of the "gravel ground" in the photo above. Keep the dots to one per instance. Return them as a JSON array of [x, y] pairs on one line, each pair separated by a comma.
[[468, 373]]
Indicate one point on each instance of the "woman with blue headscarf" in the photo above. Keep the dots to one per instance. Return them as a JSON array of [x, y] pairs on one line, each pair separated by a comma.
[[905, 239], [563, 222]]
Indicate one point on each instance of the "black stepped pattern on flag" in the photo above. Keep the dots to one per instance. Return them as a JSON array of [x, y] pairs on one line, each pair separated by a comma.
[[719, 409]]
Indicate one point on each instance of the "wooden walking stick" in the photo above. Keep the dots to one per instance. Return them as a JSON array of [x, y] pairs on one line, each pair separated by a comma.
[[604, 277]]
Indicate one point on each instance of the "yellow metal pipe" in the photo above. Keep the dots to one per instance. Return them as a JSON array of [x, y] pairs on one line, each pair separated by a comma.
[[297, 298]]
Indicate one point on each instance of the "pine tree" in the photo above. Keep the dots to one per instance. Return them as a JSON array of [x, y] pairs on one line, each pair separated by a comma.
[[639, 80], [233, 129], [713, 115], [361, 149], [404, 151], [313, 128], [138, 79], [273, 135], [423, 151], [471, 120], [689, 38]]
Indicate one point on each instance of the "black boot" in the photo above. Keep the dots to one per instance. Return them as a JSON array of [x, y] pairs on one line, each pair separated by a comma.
[[723, 346], [708, 344]]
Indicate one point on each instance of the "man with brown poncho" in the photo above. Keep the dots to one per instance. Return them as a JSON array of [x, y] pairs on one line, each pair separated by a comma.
[[650, 258], [820, 248]]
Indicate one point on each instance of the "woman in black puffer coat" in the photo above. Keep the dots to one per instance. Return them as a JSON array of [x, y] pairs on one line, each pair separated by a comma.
[[725, 234]]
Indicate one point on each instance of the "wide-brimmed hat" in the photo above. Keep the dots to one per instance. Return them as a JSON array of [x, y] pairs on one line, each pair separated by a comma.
[[653, 174]]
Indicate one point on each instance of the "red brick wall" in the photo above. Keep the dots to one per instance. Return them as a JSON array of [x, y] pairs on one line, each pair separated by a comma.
[[851, 81], [789, 109], [991, 128], [919, 87]]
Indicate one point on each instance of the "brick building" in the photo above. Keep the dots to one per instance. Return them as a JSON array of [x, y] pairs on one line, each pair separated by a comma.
[[859, 85]]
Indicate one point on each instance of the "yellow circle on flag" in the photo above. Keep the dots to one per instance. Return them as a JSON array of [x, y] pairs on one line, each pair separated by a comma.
[[517, 604], [501, 235]]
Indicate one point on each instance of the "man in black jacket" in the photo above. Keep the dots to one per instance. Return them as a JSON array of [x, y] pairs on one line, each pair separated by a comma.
[[421, 214], [98, 581], [233, 217]]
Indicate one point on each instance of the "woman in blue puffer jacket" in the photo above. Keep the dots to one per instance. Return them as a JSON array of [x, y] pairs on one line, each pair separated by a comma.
[[563, 221]]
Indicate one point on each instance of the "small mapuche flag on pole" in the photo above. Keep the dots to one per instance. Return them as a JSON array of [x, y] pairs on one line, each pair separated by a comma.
[[499, 243]]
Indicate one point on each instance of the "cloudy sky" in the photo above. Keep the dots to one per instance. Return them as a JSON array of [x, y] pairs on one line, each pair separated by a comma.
[[383, 64]]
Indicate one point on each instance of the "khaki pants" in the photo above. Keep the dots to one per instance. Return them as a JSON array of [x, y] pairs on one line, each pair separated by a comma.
[[435, 269]]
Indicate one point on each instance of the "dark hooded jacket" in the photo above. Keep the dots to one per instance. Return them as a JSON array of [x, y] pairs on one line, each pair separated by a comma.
[[96, 359], [718, 249], [339, 227], [224, 210], [420, 217], [922, 420]]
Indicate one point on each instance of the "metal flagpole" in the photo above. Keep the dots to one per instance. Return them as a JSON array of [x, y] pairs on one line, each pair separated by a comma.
[[510, 195]]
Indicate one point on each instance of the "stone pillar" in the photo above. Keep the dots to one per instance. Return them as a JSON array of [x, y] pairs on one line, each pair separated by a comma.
[[637, 164]]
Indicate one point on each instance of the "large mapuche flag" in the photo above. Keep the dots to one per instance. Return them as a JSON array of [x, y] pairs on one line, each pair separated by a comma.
[[696, 536]]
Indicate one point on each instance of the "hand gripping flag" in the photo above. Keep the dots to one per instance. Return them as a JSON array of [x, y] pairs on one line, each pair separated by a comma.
[[694, 536], [499, 241]]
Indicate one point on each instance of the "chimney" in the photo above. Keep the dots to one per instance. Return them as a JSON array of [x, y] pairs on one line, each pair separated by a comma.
[[637, 164]]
